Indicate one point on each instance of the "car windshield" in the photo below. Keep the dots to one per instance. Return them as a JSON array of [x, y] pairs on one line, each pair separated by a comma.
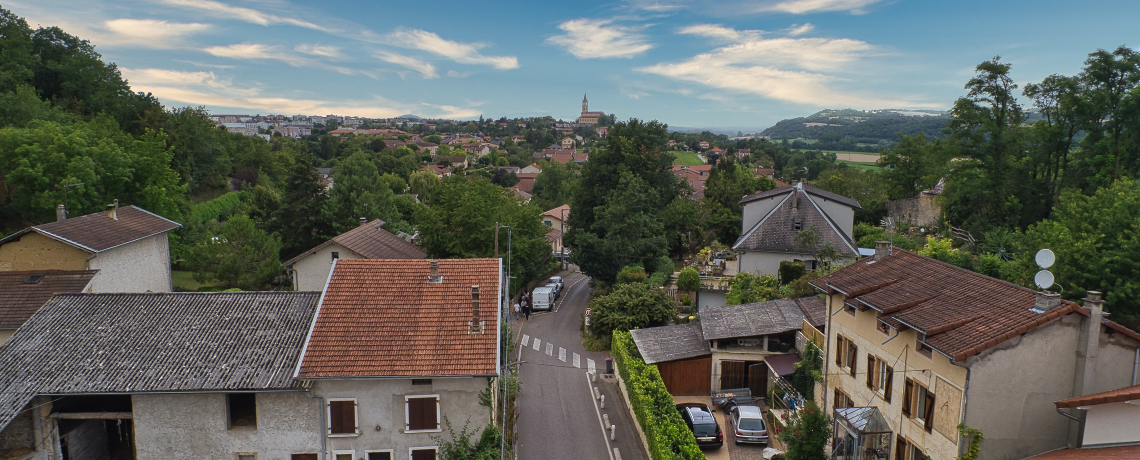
[[704, 429], [751, 424]]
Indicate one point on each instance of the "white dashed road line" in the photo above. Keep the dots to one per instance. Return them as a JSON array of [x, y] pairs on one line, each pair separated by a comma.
[[561, 354], [549, 349], [537, 342], [577, 360], [526, 340], [590, 365]]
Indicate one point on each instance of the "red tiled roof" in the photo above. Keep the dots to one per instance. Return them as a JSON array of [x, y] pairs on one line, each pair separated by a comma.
[[1091, 453], [962, 313], [560, 212], [98, 232], [1105, 397], [382, 318], [525, 184], [18, 301], [562, 157], [370, 241]]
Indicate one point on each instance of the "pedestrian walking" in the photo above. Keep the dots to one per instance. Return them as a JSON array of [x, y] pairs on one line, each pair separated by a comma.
[[526, 310], [517, 309]]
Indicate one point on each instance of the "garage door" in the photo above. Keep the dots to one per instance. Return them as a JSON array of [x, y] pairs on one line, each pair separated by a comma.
[[688, 377]]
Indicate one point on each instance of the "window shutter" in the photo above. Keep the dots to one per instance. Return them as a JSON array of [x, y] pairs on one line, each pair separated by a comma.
[[929, 416], [836, 403], [908, 395], [900, 448], [854, 359], [839, 348], [870, 371], [336, 417], [350, 416], [888, 384], [422, 414]]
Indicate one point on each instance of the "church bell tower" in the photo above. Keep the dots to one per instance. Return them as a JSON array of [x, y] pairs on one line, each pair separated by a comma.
[[585, 104]]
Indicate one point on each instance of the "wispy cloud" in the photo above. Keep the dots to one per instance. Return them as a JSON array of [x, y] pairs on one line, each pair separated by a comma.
[[426, 69], [151, 33], [227, 11], [736, 7], [600, 39], [657, 6], [719, 32], [799, 29], [463, 53], [258, 51], [320, 50], [813, 6], [798, 70]]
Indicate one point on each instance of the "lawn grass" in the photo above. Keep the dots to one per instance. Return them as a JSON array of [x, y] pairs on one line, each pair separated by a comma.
[[184, 281], [861, 165], [687, 159]]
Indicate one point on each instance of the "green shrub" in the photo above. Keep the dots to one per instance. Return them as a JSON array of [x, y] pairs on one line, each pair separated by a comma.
[[689, 279], [790, 271], [657, 279], [665, 431], [631, 274], [686, 300]]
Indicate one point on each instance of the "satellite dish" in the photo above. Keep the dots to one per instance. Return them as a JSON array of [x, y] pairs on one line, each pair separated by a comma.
[[1043, 279], [1045, 258]]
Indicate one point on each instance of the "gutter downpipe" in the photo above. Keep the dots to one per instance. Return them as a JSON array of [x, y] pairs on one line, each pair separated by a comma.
[[1135, 365], [324, 427], [965, 405], [827, 349]]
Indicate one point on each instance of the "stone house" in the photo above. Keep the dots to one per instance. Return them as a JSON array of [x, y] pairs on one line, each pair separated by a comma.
[[568, 143], [926, 346], [310, 270], [399, 348], [160, 375], [772, 220], [128, 246], [23, 293], [532, 168]]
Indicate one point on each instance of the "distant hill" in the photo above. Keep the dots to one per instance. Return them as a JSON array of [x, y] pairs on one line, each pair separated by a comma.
[[410, 117], [862, 126]]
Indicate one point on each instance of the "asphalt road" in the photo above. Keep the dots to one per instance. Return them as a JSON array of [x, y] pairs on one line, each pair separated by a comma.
[[559, 418]]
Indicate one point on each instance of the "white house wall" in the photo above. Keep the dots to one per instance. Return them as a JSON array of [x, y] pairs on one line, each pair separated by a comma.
[[195, 426], [756, 210], [311, 272], [843, 215], [1112, 423], [140, 266], [381, 403]]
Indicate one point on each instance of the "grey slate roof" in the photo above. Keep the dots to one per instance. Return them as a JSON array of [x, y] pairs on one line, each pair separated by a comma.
[[776, 232], [670, 343], [751, 319], [155, 342], [370, 241], [806, 188]]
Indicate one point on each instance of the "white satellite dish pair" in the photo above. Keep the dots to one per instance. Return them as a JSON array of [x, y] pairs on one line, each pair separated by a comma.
[[1044, 278]]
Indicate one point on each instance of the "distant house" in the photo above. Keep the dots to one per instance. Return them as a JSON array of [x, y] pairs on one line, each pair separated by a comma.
[[772, 220], [526, 182], [556, 220], [696, 179], [310, 270], [161, 375], [327, 178], [740, 153], [563, 158], [568, 143], [531, 168], [404, 345], [1109, 426], [440, 171], [23, 293], [427, 146], [460, 161], [704, 145], [128, 246], [580, 158], [764, 172]]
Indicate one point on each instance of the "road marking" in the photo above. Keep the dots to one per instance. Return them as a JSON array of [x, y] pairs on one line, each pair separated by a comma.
[[577, 360], [559, 303], [605, 435], [549, 349], [561, 354], [536, 343], [526, 340], [590, 365]]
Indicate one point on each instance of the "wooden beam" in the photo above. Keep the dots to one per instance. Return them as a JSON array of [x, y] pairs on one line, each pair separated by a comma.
[[92, 415]]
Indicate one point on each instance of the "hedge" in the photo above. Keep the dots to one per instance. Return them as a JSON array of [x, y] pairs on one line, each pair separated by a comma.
[[665, 431]]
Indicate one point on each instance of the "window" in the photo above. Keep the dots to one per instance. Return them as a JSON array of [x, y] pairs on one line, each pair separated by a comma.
[[840, 348], [422, 453], [342, 417], [883, 327], [421, 413], [344, 455], [421, 381], [245, 456], [845, 352], [879, 376], [850, 310], [908, 395], [852, 352], [916, 452], [919, 404], [242, 408], [900, 448], [304, 457], [548, 223], [923, 349], [797, 225], [380, 455], [335, 255], [842, 400]]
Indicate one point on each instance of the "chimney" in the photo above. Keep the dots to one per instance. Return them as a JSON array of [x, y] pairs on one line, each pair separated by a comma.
[[882, 249], [113, 210], [796, 197], [1046, 300], [475, 326], [435, 277], [60, 213], [1092, 344], [363, 220]]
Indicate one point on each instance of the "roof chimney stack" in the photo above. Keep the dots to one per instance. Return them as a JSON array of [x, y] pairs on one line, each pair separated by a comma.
[[1087, 361], [796, 197], [475, 326], [363, 220], [60, 213], [435, 277], [882, 249], [113, 210]]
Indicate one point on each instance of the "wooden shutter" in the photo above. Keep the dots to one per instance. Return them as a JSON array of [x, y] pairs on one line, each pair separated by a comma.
[[342, 417], [839, 349], [423, 454], [908, 396], [854, 359], [870, 371], [889, 383], [928, 418], [303, 457], [422, 414], [900, 448], [836, 403]]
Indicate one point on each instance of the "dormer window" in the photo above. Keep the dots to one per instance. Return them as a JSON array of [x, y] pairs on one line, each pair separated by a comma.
[[34, 279]]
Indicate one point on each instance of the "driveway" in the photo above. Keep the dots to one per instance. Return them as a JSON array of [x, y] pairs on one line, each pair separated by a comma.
[[730, 450]]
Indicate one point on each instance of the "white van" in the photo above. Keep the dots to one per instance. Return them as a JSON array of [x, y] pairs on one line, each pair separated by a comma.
[[543, 298]]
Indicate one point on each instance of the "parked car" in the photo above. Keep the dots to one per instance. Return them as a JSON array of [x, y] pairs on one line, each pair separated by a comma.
[[543, 298], [556, 280], [748, 424], [701, 422], [554, 288]]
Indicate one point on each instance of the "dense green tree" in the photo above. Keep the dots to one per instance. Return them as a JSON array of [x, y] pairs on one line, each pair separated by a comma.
[[358, 191], [555, 186], [750, 288], [298, 221], [1109, 79], [806, 433], [19, 107], [913, 165], [424, 184], [689, 279], [240, 256], [199, 153], [728, 182], [630, 306], [17, 60]]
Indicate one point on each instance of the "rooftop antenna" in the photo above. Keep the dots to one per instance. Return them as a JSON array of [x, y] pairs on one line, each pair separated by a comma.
[[1044, 279]]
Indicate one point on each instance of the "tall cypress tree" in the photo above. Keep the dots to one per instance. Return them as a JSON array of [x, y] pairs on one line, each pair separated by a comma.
[[299, 221]]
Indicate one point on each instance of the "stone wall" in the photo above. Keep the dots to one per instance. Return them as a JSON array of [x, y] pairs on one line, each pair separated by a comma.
[[922, 210]]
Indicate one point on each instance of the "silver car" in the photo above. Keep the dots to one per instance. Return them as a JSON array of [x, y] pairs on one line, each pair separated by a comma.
[[748, 425]]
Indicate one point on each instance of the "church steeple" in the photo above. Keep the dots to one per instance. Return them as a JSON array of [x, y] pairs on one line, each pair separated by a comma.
[[585, 104]]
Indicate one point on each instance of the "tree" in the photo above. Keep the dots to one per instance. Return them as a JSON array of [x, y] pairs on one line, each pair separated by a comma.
[[689, 279], [298, 220], [423, 184], [729, 182], [808, 371], [626, 231], [462, 447], [240, 256], [806, 433], [913, 165], [555, 186], [358, 192], [1109, 79], [630, 306], [750, 288], [17, 60]]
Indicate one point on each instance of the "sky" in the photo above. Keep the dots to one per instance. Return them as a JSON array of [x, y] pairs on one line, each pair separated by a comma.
[[738, 64]]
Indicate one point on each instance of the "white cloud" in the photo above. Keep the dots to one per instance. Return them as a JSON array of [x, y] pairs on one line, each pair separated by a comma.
[[206, 88], [276, 53], [423, 67], [598, 38], [463, 53], [810, 6], [736, 7], [657, 6], [798, 70], [151, 33], [796, 30], [718, 32], [320, 50], [249, 15]]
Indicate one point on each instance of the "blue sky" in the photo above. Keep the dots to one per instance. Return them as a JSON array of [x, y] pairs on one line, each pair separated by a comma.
[[693, 63]]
